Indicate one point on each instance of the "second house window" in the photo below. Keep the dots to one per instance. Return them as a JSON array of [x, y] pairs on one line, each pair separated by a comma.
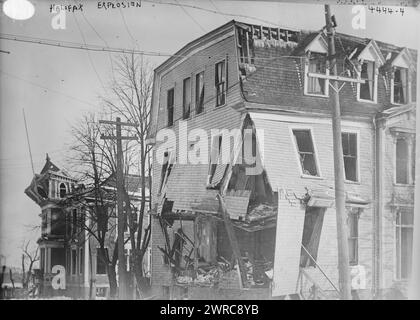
[[306, 152], [367, 89], [349, 141], [220, 82], [170, 107], [400, 86], [199, 92], [317, 65], [186, 98]]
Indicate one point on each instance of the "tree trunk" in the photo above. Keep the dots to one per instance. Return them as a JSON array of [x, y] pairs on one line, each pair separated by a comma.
[[112, 278]]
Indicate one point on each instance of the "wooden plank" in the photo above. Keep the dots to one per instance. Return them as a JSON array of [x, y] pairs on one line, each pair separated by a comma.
[[287, 252], [232, 239]]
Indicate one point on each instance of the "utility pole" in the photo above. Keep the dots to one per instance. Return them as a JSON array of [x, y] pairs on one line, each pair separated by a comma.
[[340, 197], [122, 276]]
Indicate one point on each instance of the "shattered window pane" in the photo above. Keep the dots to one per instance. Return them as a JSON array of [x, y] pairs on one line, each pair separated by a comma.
[[100, 260], [401, 165], [170, 106], [400, 86], [404, 242], [367, 74], [353, 231], [199, 92], [317, 64], [186, 98], [220, 82], [349, 142], [306, 152]]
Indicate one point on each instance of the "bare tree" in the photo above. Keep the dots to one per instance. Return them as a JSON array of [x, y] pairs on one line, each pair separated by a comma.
[[29, 257], [131, 98], [94, 163]]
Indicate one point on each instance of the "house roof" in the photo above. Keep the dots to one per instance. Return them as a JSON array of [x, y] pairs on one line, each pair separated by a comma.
[[133, 182]]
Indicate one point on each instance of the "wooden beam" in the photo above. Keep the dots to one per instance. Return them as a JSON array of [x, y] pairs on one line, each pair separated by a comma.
[[129, 124], [336, 78], [232, 239]]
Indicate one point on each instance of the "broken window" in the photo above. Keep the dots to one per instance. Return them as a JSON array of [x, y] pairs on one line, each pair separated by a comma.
[[401, 165], [74, 222], [312, 227], [220, 83], [404, 242], [306, 152], [353, 239], [367, 88], [167, 165], [42, 259], [317, 65], [73, 261], [400, 85], [58, 222], [186, 98], [170, 106], [199, 92], [81, 260], [349, 141], [215, 157], [413, 163], [100, 260], [246, 47], [63, 190]]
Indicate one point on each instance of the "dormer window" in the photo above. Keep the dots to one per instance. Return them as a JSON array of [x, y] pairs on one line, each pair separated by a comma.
[[369, 61], [401, 67], [400, 86], [368, 88], [317, 66]]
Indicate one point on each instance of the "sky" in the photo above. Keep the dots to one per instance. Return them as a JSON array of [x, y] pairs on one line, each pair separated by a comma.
[[56, 86]]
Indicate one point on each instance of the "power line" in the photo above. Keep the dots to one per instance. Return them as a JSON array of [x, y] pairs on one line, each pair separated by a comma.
[[100, 37], [47, 88], [88, 53], [192, 18], [220, 13], [97, 48]]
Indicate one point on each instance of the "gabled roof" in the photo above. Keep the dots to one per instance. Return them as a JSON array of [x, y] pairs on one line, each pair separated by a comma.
[[49, 166], [309, 42], [371, 52]]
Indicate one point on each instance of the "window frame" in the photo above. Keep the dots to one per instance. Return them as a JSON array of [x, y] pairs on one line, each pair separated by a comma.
[[354, 216], [97, 259], [184, 95], [306, 79], [375, 82], [408, 88], [73, 259], [297, 153], [196, 98], [408, 164], [170, 124], [397, 262], [164, 172], [357, 133], [81, 260], [224, 61], [213, 166]]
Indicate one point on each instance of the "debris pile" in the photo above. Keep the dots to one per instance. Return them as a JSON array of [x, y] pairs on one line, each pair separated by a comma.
[[223, 275]]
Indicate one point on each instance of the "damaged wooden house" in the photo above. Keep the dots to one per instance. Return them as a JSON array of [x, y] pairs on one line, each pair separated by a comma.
[[265, 227]]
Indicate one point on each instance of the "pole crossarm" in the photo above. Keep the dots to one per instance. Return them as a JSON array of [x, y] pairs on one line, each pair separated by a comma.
[[104, 137], [336, 78], [126, 124]]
